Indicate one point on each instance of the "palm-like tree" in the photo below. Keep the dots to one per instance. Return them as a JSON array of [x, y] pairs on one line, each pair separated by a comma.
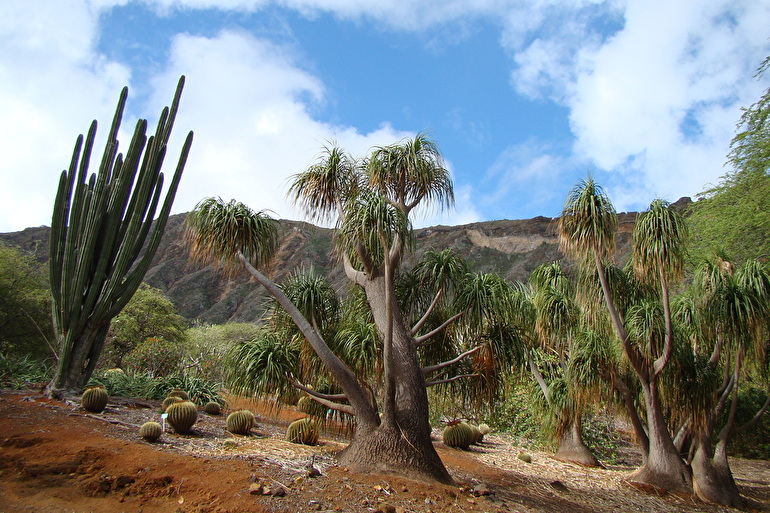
[[371, 202], [556, 319], [733, 306], [586, 230]]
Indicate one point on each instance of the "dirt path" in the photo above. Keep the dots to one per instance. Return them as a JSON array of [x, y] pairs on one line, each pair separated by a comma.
[[55, 458]]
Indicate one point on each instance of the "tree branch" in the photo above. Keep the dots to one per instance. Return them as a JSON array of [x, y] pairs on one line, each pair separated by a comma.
[[427, 313], [449, 380], [538, 376], [422, 338], [315, 394], [438, 366], [357, 395], [755, 418], [668, 346]]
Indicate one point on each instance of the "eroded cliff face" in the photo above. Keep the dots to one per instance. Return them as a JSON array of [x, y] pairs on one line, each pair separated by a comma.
[[510, 248]]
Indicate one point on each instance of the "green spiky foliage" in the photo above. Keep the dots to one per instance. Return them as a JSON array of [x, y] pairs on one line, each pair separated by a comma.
[[459, 435], [182, 416], [240, 422], [95, 399], [303, 431], [168, 401], [150, 431], [104, 234], [212, 408]]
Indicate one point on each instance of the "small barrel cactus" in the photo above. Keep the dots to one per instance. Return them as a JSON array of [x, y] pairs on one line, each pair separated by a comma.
[[168, 401], [212, 408], [240, 422], [178, 392], [476, 432], [150, 431], [484, 429], [94, 399], [182, 416], [307, 405], [303, 431], [458, 435], [115, 372]]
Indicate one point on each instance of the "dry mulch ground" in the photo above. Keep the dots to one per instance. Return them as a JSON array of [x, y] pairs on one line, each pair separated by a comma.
[[55, 457]]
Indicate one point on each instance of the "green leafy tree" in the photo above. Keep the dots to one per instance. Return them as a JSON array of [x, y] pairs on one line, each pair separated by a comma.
[[104, 234], [148, 314], [25, 306], [734, 215]]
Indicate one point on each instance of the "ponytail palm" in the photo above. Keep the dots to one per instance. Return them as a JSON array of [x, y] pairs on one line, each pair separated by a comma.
[[586, 231], [371, 205]]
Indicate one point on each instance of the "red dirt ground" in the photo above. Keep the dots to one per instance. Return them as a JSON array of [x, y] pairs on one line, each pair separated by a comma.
[[54, 457]]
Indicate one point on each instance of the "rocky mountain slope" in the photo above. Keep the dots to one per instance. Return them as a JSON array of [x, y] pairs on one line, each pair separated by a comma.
[[510, 248]]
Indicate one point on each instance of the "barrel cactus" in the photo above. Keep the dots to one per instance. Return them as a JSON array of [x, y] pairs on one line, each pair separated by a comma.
[[150, 431], [303, 431], [94, 399], [476, 433], [182, 416], [311, 407], [212, 408], [484, 429], [458, 435], [168, 401], [178, 392], [240, 422]]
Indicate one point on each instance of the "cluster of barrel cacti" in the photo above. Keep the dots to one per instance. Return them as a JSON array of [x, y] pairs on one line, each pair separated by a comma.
[[240, 422], [461, 434], [94, 399], [303, 431]]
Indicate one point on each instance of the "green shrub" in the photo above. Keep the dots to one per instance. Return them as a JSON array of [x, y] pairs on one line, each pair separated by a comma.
[[22, 372], [155, 356]]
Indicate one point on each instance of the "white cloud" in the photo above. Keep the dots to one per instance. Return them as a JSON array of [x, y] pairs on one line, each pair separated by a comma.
[[249, 104], [655, 102], [52, 84], [525, 178]]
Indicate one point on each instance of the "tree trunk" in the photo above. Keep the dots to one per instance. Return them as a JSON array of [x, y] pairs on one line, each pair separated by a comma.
[[572, 448], [76, 366], [664, 469], [401, 443], [712, 478]]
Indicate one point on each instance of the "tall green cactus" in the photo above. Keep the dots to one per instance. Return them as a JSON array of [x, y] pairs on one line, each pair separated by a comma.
[[103, 237]]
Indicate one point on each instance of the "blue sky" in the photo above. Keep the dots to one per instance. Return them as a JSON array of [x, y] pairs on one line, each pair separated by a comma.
[[524, 97]]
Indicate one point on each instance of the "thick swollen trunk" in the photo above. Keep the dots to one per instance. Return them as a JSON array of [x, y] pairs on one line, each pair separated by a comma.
[[401, 443], [77, 362], [572, 448], [395, 449], [712, 478], [664, 469]]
